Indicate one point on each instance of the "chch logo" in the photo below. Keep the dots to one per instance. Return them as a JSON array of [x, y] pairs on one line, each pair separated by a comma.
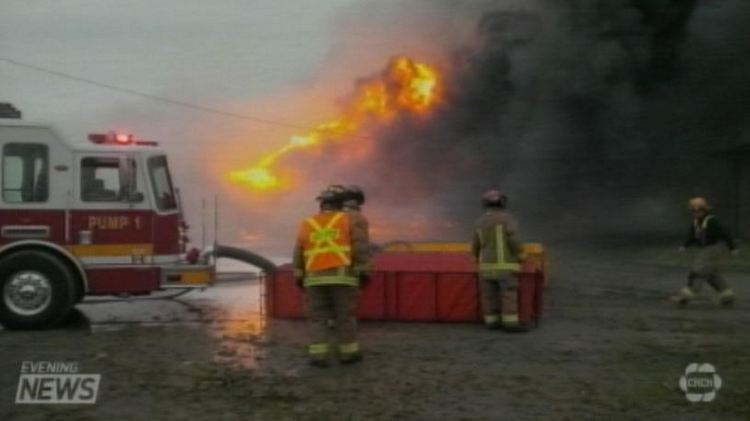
[[700, 382]]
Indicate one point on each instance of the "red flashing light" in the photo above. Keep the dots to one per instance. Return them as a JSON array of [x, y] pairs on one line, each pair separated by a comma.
[[112, 138], [123, 139]]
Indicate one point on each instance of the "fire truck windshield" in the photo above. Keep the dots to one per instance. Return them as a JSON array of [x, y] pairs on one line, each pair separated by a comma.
[[161, 183]]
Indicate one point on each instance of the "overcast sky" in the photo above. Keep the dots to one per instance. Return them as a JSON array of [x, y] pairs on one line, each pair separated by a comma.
[[192, 50]]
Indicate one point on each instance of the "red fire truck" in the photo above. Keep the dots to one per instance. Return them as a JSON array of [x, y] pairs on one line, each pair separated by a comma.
[[96, 218]]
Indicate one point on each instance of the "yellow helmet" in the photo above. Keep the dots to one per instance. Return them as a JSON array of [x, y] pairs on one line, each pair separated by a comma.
[[698, 203]]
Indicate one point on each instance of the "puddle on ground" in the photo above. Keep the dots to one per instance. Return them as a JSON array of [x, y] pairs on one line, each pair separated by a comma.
[[241, 337], [231, 312]]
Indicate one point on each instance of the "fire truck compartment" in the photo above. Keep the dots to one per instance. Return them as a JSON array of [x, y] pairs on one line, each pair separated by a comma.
[[181, 276]]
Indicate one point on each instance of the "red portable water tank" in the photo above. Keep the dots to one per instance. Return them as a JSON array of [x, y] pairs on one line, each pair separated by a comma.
[[530, 295], [406, 286], [284, 299]]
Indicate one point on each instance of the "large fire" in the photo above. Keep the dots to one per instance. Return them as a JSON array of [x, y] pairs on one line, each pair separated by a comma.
[[404, 86]]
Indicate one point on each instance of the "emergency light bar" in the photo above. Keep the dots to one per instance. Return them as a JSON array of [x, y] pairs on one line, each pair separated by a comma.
[[113, 138]]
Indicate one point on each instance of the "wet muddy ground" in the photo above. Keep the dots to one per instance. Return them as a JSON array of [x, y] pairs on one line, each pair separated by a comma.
[[610, 347]]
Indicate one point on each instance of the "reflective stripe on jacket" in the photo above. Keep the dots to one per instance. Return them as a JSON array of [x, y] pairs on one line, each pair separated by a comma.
[[324, 255], [494, 254], [699, 228], [707, 232], [342, 275]]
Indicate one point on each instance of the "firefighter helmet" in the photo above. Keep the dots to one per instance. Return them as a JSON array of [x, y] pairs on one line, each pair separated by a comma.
[[332, 195], [356, 194], [494, 198], [698, 203]]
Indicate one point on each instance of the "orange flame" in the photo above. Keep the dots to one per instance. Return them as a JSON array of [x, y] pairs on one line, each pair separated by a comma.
[[404, 86]]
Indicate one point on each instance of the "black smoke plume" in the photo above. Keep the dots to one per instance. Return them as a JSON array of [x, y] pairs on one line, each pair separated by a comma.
[[593, 115]]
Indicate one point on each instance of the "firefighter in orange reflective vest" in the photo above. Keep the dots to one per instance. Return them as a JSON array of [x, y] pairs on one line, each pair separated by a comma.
[[498, 253], [706, 234], [328, 265]]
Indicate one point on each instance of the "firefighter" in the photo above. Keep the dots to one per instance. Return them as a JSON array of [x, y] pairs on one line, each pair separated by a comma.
[[354, 198], [706, 234], [328, 265], [498, 253]]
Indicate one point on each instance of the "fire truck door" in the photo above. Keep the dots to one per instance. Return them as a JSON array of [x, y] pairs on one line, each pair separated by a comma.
[[111, 222], [34, 173]]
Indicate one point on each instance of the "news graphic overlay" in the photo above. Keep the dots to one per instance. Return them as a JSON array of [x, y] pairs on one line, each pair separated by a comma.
[[56, 382], [700, 382]]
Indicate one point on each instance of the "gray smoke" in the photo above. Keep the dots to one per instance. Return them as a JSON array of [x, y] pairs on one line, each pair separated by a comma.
[[593, 115]]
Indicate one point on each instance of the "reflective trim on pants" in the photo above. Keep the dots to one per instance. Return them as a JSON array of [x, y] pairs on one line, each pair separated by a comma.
[[350, 348], [318, 349], [491, 319], [687, 292], [510, 319], [727, 293]]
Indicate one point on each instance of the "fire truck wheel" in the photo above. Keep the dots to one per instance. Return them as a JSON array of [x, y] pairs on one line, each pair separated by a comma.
[[37, 290]]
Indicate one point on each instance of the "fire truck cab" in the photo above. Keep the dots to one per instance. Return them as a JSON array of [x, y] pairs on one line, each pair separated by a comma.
[[96, 218]]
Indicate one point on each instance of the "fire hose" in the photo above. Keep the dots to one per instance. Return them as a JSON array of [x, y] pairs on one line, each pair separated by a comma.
[[246, 256]]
